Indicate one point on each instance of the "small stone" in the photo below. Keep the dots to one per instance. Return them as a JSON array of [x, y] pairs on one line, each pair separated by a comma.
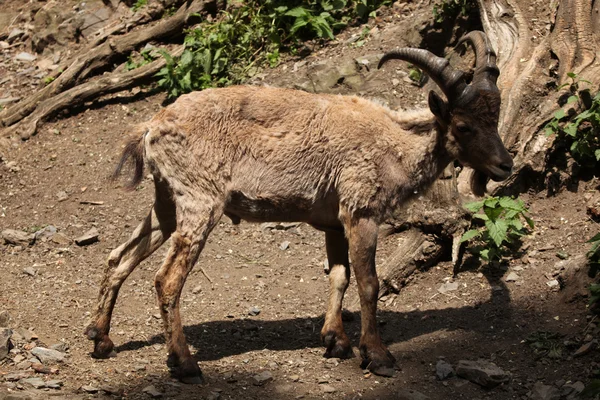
[[62, 196], [42, 369], [45, 233], [29, 271], [5, 343], [284, 245], [54, 384], [262, 378], [544, 392], [61, 239], [328, 389], [24, 56], [152, 392], [512, 277], [15, 376], [36, 382], [48, 356], [62, 347], [443, 370], [482, 372], [90, 389], [213, 396], [553, 284], [17, 238], [4, 319], [14, 35], [448, 287], [197, 289], [254, 311], [294, 378], [585, 349], [89, 237]]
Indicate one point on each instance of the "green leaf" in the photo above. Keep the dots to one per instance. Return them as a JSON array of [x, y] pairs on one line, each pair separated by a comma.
[[490, 202], [485, 254], [597, 154], [482, 217], [297, 12], [572, 99], [470, 234], [570, 129], [299, 23], [560, 114], [497, 231], [529, 221], [474, 206], [596, 238]]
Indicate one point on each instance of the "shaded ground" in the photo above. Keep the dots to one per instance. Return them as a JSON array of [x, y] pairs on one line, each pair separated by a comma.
[[485, 317]]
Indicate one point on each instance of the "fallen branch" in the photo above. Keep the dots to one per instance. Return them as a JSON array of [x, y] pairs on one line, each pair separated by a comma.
[[91, 60], [87, 91]]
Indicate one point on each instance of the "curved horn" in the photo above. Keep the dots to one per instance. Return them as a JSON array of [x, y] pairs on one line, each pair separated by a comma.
[[439, 69], [485, 57]]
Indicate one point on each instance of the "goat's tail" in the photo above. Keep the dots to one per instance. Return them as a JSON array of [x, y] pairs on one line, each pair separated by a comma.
[[134, 150]]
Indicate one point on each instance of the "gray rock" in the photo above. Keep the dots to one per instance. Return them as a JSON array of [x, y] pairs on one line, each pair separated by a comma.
[[62, 347], [90, 389], [48, 356], [482, 372], [62, 196], [14, 35], [544, 392], [5, 344], [24, 56], [15, 376], [197, 289], [54, 384], [284, 245], [89, 237], [443, 370], [512, 277], [37, 383], [407, 394], [328, 389], [17, 238], [152, 392], [29, 271], [23, 335], [45, 233], [262, 378], [254, 311], [448, 287], [4, 319]]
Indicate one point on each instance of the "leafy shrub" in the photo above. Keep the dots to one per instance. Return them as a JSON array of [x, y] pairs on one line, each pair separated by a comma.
[[253, 33], [580, 130], [451, 9], [139, 4], [131, 63], [594, 256], [501, 217]]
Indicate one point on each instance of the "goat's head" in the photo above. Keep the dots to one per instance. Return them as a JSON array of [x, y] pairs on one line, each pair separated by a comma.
[[470, 116]]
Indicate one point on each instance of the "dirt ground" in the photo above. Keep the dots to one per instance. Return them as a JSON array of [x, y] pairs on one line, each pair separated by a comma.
[[59, 178]]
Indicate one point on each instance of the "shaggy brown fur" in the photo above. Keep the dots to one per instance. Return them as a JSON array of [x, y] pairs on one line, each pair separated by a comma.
[[339, 163]]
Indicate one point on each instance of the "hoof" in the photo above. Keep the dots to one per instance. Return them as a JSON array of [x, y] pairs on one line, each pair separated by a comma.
[[186, 372], [103, 346], [337, 347], [380, 363]]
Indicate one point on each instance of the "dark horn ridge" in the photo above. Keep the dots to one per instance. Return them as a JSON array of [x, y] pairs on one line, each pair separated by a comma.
[[485, 57], [439, 69]]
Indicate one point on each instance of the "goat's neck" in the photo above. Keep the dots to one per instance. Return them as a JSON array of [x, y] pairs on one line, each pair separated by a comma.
[[429, 158]]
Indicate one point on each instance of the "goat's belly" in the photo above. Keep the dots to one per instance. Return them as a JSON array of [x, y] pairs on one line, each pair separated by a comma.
[[278, 209]]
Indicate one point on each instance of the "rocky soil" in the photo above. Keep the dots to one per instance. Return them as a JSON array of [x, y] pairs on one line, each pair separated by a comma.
[[253, 306]]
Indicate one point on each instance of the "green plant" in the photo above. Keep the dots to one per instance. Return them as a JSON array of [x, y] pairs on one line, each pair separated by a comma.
[[48, 80], [131, 63], [501, 217], [251, 34], [415, 74], [580, 130], [593, 255], [139, 4], [451, 9]]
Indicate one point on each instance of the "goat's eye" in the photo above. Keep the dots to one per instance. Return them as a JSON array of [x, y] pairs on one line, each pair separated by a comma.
[[464, 129]]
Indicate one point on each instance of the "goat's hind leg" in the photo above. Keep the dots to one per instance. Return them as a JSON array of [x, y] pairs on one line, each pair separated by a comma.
[[147, 237], [335, 339], [186, 244]]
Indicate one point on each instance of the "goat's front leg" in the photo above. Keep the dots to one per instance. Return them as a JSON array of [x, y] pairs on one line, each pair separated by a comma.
[[332, 334], [186, 244], [362, 235]]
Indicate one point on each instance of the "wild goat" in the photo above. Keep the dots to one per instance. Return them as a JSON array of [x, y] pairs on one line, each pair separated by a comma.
[[338, 163]]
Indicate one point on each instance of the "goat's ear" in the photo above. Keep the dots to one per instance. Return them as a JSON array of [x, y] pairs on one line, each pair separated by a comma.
[[439, 108]]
